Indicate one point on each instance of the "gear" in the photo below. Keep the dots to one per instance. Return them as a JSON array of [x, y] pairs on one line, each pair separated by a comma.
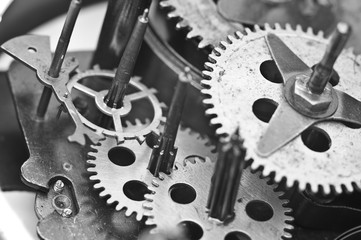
[[120, 132], [122, 169], [181, 199], [242, 71], [203, 19]]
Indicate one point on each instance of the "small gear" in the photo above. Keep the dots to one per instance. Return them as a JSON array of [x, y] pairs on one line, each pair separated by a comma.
[[121, 169], [203, 19], [243, 88], [120, 132], [181, 198]]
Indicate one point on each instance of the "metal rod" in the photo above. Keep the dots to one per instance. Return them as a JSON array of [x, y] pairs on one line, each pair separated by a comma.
[[164, 153], [226, 179], [119, 21], [125, 69], [323, 69], [59, 54]]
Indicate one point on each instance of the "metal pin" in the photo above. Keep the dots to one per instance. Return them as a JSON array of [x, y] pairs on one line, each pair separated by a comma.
[[127, 62], [164, 153], [323, 69], [226, 179], [58, 186], [59, 54]]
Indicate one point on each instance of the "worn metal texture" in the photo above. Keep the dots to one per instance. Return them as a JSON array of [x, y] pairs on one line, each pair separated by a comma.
[[236, 75], [111, 177], [167, 210], [52, 157], [202, 19]]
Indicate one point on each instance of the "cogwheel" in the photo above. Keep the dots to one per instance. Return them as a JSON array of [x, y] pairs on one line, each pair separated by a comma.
[[241, 86], [203, 19], [142, 93], [121, 169], [181, 198]]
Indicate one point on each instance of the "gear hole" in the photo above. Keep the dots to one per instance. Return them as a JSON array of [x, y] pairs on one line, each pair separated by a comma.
[[237, 236], [61, 202], [269, 71], [135, 190], [32, 50], [182, 193], [264, 108], [259, 210], [121, 156], [316, 139], [191, 230]]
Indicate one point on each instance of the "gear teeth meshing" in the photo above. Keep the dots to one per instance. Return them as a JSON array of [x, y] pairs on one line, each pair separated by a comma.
[[188, 168], [220, 118]]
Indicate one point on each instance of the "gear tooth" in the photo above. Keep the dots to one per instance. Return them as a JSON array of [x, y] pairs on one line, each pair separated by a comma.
[[212, 111], [207, 101], [248, 31], [208, 66], [217, 52], [320, 34], [231, 39], [310, 31], [172, 14], [102, 193], [92, 154], [287, 235], [111, 200], [257, 28], [181, 24], [299, 28], [191, 34], [148, 197], [238, 34], [220, 131], [288, 27], [94, 178], [223, 45], [325, 189], [278, 26], [164, 4], [150, 221], [147, 206], [203, 44], [91, 169], [267, 27]]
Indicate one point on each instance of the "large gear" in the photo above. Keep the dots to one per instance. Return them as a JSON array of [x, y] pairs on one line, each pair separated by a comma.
[[181, 199], [203, 20], [119, 178], [242, 81], [120, 132]]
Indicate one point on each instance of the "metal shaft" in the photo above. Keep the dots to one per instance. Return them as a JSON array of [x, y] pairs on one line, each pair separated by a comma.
[[119, 21], [125, 69], [226, 179], [163, 155], [59, 54], [323, 69]]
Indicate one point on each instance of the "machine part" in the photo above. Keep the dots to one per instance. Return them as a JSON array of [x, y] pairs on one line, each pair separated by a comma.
[[117, 27], [121, 169], [115, 96], [203, 20], [164, 152], [53, 158], [34, 52], [59, 54], [141, 93], [242, 71], [180, 200], [226, 179]]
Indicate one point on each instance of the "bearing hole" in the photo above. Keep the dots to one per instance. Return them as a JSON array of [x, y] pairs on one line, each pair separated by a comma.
[[121, 156], [259, 210], [182, 193], [32, 50], [237, 236], [61, 202], [316, 139], [135, 190], [192, 230], [269, 71], [264, 108]]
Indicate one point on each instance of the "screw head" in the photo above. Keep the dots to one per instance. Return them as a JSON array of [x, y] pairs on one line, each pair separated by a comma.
[[304, 98], [58, 186], [66, 212]]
